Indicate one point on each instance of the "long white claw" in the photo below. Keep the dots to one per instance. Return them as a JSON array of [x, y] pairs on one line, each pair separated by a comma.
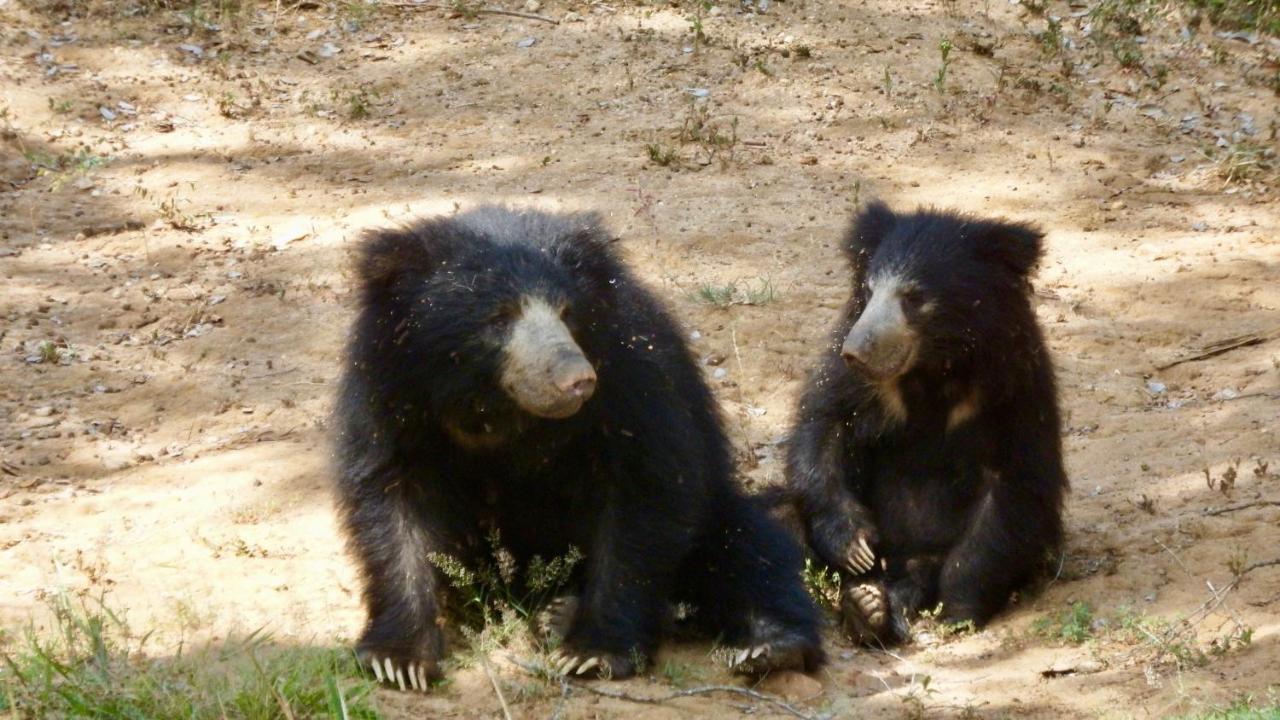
[[400, 678], [742, 656], [569, 664], [377, 669], [760, 650], [413, 676], [590, 663], [422, 677], [389, 668]]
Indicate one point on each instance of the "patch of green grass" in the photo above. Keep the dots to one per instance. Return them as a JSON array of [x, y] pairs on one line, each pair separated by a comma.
[[1050, 39], [89, 663], [1073, 625], [662, 155], [760, 292], [1246, 707], [1245, 161], [1260, 15], [718, 295]]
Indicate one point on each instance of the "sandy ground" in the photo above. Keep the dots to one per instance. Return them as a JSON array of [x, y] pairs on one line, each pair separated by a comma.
[[177, 205]]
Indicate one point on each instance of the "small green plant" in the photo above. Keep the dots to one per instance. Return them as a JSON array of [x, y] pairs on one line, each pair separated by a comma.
[[916, 696], [495, 586], [1127, 52], [887, 82], [762, 293], [662, 155], [823, 584], [1073, 625], [695, 24], [49, 352], [1050, 39], [940, 79], [681, 674], [1239, 163], [358, 103], [716, 138], [65, 166]]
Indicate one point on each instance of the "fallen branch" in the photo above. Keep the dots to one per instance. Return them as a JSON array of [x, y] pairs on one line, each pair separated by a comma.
[[497, 689], [478, 11], [1224, 346], [691, 692], [1242, 506], [566, 686], [1258, 565]]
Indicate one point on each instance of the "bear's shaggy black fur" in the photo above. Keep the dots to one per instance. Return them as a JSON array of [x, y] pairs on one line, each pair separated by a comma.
[[624, 458], [925, 459]]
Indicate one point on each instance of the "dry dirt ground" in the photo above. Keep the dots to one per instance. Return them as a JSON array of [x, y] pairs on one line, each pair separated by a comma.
[[180, 189]]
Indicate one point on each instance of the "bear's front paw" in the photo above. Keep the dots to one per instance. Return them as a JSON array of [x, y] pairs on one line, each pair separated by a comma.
[[784, 653], [396, 668], [553, 621], [569, 661], [845, 541], [859, 557]]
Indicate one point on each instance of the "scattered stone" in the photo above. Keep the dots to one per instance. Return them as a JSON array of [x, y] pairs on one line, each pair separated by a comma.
[[526, 42]]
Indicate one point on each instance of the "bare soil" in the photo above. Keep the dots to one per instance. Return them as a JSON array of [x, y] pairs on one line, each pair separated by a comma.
[[177, 204]]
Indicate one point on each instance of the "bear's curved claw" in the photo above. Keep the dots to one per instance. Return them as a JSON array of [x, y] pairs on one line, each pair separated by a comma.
[[387, 672], [860, 557]]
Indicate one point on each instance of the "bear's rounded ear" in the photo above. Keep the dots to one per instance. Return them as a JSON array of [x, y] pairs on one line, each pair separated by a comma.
[[869, 228], [387, 254], [1017, 246]]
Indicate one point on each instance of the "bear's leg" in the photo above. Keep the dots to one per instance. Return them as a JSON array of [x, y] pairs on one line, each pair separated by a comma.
[[393, 530], [744, 582], [875, 608], [618, 617], [1000, 552]]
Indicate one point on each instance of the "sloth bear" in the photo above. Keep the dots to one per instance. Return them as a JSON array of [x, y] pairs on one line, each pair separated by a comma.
[[506, 372], [925, 460]]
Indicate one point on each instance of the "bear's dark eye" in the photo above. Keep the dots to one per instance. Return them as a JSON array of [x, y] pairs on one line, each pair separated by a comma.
[[505, 313], [912, 300]]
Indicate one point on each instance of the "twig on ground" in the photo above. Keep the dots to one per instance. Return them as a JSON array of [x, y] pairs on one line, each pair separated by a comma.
[[497, 689], [480, 11], [1259, 565], [566, 686], [693, 691], [1224, 346], [1242, 506]]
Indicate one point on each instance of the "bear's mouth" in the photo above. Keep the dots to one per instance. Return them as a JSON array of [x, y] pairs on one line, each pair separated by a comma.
[[555, 410], [882, 363]]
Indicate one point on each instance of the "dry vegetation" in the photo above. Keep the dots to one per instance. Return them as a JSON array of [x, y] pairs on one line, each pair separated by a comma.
[[180, 181]]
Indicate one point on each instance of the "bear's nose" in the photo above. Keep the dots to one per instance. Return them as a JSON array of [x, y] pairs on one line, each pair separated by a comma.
[[580, 382]]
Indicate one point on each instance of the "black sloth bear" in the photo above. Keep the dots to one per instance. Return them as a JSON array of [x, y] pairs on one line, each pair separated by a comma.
[[925, 461], [506, 372]]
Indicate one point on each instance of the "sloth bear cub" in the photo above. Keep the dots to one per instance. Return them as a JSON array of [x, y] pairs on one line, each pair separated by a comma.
[[506, 372], [925, 461]]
